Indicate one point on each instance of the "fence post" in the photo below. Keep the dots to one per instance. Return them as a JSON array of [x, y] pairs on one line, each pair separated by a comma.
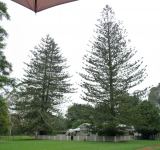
[[95, 138], [115, 139], [103, 139]]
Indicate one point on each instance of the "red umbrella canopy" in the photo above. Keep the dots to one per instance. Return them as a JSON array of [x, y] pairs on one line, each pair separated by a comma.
[[38, 5]]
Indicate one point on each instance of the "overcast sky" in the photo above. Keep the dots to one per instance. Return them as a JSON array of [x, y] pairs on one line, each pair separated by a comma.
[[72, 25]]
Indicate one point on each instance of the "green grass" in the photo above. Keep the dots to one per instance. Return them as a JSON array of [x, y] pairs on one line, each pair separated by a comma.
[[29, 144]]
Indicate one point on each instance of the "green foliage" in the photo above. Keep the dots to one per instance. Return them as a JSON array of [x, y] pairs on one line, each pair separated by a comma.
[[110, 70], [5, 69], [78, 114], [60, 125], [127, 108], [103, 120], [154, 95], [4, 118], [147, 119], [4, 12], [43, 88], [17, 125]]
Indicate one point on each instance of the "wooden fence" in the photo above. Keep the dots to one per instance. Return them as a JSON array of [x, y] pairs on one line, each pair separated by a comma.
[[86, 138]]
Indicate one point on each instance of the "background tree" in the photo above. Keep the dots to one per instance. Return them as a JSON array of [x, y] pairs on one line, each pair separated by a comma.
[[154, 95], [147, 119], [125, 116], [78, 114], [4, 118], [17, 124], [5, 69], [60, 124], [45, 83], [110, 68], [128, 108]]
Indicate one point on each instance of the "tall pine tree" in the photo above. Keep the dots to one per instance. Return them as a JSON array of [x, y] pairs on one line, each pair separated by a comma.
[[5, 66], [45, 83], [110, 69], [5, 69]]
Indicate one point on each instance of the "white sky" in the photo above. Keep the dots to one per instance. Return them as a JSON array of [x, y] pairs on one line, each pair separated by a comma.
[[72, 25]]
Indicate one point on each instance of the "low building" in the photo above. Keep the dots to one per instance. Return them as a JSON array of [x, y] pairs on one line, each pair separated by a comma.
[[83, 129]]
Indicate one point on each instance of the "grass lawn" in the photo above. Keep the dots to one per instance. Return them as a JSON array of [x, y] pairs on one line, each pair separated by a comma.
[[22, 144]]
